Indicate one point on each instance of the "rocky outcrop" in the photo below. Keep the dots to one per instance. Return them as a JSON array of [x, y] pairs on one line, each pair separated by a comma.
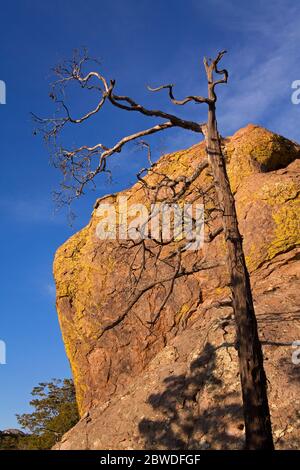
[[12, 433], [174, 382]]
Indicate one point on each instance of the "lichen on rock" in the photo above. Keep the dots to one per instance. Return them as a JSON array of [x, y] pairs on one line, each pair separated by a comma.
[[254, 149], [117, 372]]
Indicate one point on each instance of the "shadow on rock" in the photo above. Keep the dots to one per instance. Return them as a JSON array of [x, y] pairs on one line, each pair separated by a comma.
[[187, 417]]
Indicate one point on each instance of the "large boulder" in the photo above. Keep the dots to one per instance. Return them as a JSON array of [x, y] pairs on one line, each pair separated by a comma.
[[174, 382]]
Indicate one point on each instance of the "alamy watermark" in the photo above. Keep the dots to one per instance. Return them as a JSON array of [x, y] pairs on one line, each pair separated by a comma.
[[296, 353], [296, 94], [161, 221], [2, 92], [2, 352]]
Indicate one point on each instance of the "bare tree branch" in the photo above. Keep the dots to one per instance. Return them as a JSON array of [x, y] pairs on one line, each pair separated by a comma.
[[211, 65], [118, 101], [79, 165], [196, 99]]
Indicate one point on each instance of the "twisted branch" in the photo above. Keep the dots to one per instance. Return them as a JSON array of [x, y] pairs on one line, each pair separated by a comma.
[[196, 99]]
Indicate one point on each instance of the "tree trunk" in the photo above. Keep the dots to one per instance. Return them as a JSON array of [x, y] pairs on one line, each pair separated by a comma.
[[253, 379]]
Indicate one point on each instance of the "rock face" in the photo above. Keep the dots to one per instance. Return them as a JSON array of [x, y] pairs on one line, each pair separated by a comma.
[[172, 381], [12, 432]]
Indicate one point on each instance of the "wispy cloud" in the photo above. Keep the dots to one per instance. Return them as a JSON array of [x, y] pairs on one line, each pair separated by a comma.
[[263, 61], [49, 289], [262, 67], [262, 93], [31, 211]]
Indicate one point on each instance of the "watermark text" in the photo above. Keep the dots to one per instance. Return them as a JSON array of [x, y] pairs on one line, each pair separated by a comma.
[[2, 352], [296, 94], [161, 221], [2, 92]]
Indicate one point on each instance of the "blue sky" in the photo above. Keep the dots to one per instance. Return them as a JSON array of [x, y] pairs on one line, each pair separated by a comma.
[[139, 42]]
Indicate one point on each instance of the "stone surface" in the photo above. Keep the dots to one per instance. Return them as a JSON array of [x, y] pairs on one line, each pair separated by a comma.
[[176, 384], [12, 432]]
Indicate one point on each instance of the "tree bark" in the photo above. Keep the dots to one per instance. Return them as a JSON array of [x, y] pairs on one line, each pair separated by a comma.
[[253, 379]]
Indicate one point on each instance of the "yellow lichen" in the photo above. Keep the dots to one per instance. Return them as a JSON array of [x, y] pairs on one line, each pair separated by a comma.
[[278, 192], [287, 231], [83, 276], [252, 258], [255, 149], [181, 313]]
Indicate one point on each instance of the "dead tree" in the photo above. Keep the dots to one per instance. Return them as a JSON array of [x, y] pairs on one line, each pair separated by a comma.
[[80, 166]]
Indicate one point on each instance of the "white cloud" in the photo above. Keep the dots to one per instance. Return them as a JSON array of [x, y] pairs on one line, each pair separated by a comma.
[[263, 61]]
